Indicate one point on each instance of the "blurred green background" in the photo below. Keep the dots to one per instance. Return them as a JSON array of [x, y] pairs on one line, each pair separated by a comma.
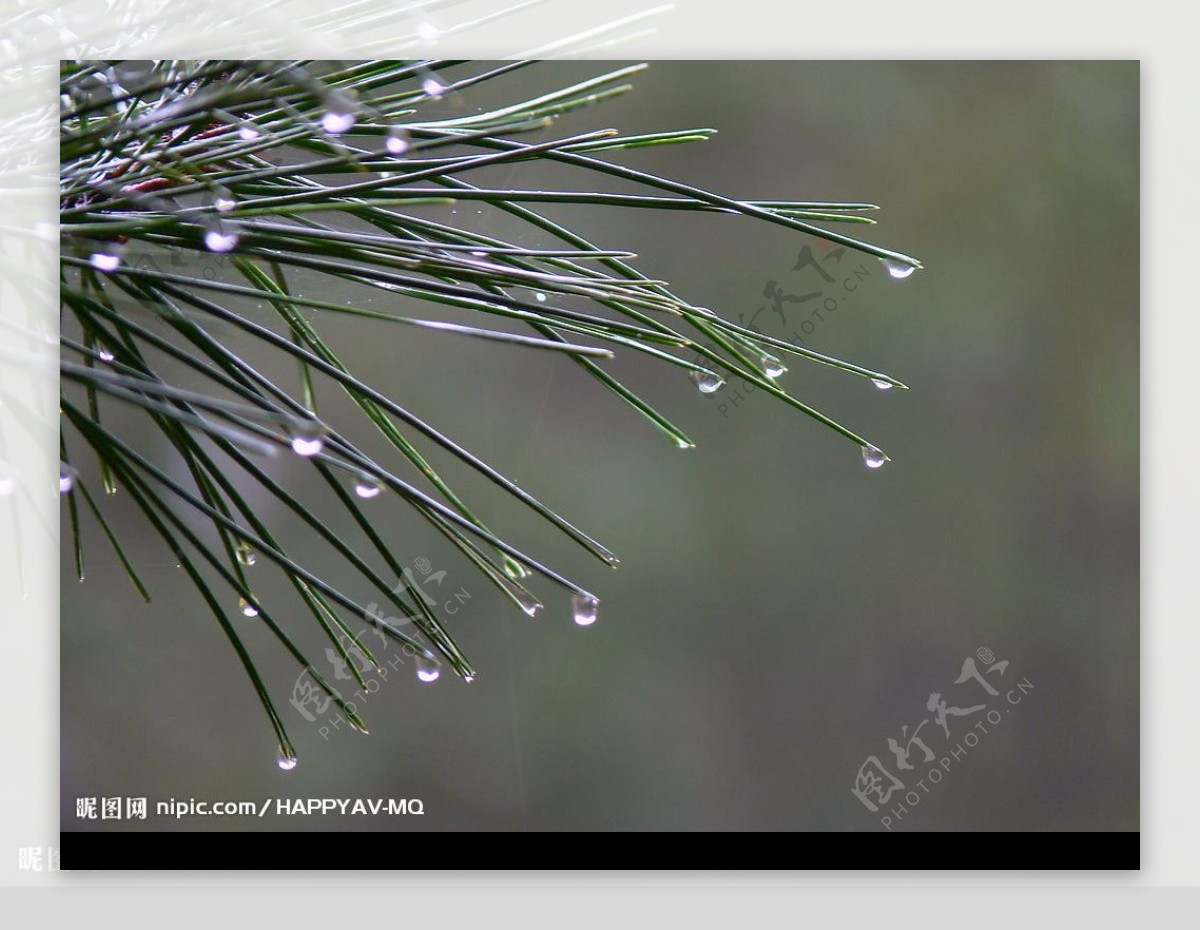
[[780, 611]]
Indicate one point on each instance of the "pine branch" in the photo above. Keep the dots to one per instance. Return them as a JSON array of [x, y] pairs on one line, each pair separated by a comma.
[[276, 167]]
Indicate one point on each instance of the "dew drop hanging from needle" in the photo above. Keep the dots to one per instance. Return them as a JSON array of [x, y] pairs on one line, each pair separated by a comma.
[[397, 140], [245, 554], [218, 240], [772, 367], [514, 569], [881, 384], [307, 439], [368, 487], [223, 201], [340, 111], [707, 382], [427, 671], [105, 261], [874, 457], [584, 607], [898, 270], [530, 604]]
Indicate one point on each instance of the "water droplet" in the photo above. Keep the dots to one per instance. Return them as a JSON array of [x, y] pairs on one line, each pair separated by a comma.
[[709, 382], [584, 607], [287, 761], [479, 254], [397, 141], [881, 384], [216, 240], [874, 457], [223, 201], [897, 270], [540, 297], [335, 123], [530, 604], [772, 367], [247, 609], [247, 131], [681, 443], [307, 439], [105, 355], [105, 261], [433, 87], [468, 678], [514, 569], [368, 487], [245, 553], [66, 481], [427, 670]]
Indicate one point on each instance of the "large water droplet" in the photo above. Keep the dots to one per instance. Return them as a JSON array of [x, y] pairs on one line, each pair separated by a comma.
[[772, 367], [66, 481], [397, 141], [307, 439], [105, 355], [247, 609], [709, 382], [105, 261], [514, 569], [218, 240], [223, 201], [584, 607], [874, 457], [247, 131], [433, 87], [245, 553], [368, 487], [427, 670], [287, 761], [897, 270], [540, 297], [881, 384]]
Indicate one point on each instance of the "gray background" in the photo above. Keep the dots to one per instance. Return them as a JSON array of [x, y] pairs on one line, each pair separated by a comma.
[[780, 611]]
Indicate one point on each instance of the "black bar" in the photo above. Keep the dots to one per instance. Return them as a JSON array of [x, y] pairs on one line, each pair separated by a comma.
[[919, 852]]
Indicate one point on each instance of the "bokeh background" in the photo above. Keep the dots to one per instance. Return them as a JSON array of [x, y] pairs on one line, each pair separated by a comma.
[[780, 611]]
